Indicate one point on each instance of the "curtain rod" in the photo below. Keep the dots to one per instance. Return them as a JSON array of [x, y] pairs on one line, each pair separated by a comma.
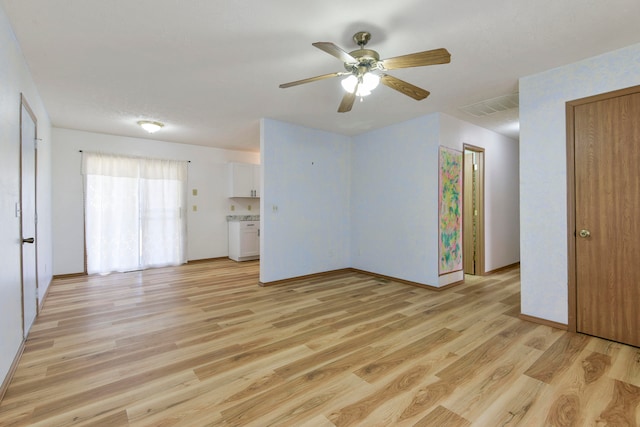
[[188, 161]]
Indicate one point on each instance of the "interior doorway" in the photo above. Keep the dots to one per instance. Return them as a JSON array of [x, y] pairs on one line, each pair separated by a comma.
[[28, 216], [473, 210]]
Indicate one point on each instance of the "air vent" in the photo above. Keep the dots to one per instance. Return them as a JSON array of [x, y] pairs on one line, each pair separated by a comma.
[[493, 105]]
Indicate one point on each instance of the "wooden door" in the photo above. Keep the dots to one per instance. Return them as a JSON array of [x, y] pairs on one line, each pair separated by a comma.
[[28, 217], [607, 217], [468, 217], [473, 210]]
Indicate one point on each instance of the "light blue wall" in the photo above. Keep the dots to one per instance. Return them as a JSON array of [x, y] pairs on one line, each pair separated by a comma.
[[371, 202], [394, 187], [305, 201], [543, 202], [501, 188]]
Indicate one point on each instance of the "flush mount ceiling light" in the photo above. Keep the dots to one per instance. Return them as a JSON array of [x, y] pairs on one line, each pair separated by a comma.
[[150, 126]]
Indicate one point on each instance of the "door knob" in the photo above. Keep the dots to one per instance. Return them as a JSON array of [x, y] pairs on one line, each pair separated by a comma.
[[585, 233], [28, 240]]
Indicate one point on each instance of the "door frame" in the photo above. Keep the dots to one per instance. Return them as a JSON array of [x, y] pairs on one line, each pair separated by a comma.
[[480, 231], [572, 283], [24, 105]]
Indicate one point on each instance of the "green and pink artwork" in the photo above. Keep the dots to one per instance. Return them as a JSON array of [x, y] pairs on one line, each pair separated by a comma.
[[450, 211]]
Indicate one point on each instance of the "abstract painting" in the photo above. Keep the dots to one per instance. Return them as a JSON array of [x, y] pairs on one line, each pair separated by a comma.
[[450, 210]]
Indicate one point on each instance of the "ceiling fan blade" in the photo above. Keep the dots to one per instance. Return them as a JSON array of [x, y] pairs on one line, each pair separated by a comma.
[[401, 86], [420, 59], [334, 50], [310, 79], [347, 101]]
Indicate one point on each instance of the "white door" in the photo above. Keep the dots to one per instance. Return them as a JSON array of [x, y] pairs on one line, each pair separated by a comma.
[[28, 216]]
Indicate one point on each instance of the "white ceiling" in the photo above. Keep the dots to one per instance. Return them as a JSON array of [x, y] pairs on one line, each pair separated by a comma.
[[210, 69]]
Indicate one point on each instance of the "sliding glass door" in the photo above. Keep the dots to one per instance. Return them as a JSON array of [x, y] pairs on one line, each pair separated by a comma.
[[134, 212]]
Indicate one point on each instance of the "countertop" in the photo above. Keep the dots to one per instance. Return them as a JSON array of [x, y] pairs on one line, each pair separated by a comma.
[[231, 218]]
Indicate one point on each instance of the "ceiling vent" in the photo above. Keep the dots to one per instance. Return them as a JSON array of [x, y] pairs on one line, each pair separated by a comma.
[[493, 105]]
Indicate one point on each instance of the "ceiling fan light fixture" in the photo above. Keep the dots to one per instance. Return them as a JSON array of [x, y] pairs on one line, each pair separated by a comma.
[[150, 126], [349, 84], [362, 92], [368, 82]]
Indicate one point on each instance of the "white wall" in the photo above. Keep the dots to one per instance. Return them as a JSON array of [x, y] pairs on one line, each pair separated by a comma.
[[376, 195], [502, 205], [543, 201], [207, 226], [305, 201], [15, 79]]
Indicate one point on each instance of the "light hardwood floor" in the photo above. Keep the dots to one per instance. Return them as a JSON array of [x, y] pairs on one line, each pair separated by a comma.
[[203, 344]]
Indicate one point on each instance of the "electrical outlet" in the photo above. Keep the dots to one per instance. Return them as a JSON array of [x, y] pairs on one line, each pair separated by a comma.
[[194, 191], [195, 208]]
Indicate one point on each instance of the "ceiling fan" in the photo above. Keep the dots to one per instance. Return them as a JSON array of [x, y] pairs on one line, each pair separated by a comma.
[[365, 70]]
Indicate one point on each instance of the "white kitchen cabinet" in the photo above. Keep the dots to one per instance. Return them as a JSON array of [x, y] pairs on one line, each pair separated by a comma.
[[244, 180], [244, 240]]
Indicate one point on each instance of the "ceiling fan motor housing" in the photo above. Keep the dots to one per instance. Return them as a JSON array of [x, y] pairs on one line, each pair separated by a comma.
[[362, 38], [367, 59]]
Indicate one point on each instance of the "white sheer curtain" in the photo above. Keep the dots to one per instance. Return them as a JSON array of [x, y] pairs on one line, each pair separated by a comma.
[[135, 214]]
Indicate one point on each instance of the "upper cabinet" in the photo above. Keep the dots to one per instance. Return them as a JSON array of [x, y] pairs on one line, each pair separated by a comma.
[[244, 180]]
